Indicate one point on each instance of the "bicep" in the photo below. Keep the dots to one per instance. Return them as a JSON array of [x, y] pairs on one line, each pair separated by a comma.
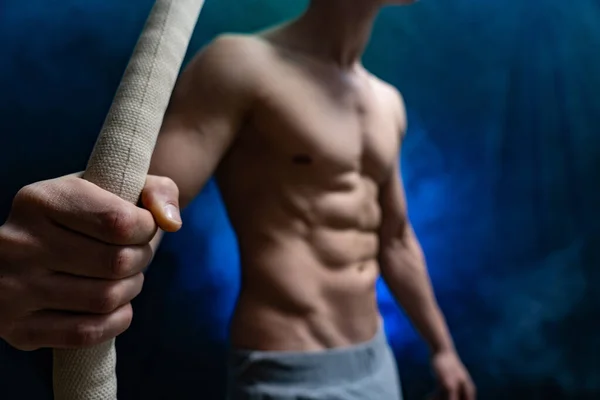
[[392, 197]]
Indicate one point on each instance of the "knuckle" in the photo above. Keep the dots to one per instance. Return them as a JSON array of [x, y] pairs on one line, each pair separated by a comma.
[[119, 222], [43, 195], [165, 183], [107, 300], [159, 187], [20, 249], [23, 339], [29, 195], [122, 262], [85, 335]]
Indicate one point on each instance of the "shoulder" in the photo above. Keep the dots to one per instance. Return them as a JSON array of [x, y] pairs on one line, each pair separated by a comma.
[[392, 98], [228, 48], [230, 60], [255, 54]]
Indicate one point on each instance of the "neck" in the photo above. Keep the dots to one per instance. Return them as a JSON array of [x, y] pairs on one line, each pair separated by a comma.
[[338, 31]]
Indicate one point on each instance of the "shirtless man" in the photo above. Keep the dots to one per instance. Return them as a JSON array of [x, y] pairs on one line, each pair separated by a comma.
[[304, 143]]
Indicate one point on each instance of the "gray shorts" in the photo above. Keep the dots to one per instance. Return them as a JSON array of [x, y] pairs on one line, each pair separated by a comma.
[[363, 372]]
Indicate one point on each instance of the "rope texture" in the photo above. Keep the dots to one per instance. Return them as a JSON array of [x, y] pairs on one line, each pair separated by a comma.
[[119, 164]]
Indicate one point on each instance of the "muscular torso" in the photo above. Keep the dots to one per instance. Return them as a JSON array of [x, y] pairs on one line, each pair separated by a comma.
[[300, 184]]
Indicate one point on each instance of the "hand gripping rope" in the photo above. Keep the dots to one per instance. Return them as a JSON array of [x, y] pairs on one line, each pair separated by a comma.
[[120, 162]]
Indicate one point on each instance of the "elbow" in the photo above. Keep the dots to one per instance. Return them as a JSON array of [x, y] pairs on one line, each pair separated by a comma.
[[390, 251], [401, 251]]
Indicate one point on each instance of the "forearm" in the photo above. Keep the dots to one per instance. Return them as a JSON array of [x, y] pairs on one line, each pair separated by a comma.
[[404, 269]]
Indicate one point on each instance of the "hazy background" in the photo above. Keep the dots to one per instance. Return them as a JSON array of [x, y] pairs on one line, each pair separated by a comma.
[[501, 165]]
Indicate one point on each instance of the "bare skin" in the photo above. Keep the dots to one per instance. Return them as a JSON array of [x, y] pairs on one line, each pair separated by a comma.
[[72, 257], [304, 143]]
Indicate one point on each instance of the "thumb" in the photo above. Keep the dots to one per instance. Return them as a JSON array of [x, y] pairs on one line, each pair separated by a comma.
[[161, 197]]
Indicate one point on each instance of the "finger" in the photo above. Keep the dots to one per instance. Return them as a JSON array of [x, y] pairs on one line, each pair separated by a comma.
[[161, 197], [52, 329], [83, 207], [470, 393], [61, 292], [79, 255]]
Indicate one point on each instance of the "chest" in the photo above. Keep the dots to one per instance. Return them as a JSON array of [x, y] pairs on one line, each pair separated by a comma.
[[333, 125]]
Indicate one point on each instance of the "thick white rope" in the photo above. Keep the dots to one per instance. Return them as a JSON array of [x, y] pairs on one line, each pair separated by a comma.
[[120, 162]]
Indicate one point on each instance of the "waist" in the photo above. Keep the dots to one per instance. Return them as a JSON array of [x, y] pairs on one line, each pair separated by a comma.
[[331, 366], [298, 294], [305, 318]]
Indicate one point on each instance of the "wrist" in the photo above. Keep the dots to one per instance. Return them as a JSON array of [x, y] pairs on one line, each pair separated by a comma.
[[442, 347], [440, 342]]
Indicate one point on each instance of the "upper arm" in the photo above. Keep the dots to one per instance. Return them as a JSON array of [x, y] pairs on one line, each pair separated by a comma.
[[392, 198], [208, 107]]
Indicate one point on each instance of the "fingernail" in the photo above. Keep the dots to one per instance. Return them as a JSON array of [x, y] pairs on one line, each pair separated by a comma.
[[173, 213]]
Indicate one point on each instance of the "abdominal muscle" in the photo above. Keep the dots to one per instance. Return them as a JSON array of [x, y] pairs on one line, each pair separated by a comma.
[[309, 265]]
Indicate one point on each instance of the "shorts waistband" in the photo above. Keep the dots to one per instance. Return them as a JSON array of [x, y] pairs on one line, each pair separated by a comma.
[[338, 365]]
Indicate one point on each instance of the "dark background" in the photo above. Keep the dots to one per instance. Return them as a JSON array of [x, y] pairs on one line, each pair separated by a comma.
[[501, 165]]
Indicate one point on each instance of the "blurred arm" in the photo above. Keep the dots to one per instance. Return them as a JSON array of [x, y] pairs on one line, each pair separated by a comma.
[[208, 108], [404, 269], [402, 262]]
